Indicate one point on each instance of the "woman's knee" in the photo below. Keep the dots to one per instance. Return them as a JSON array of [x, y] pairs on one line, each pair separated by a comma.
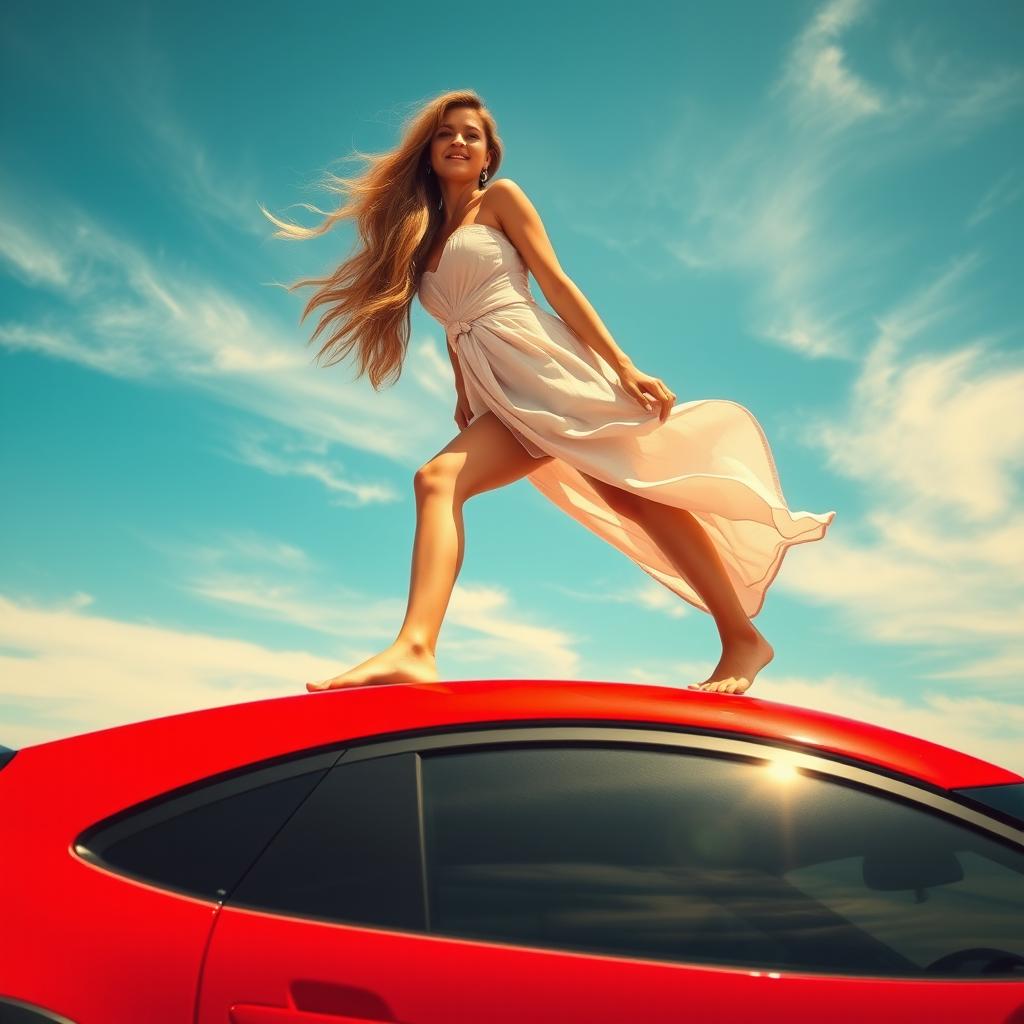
[[438, 476], [484, 456]]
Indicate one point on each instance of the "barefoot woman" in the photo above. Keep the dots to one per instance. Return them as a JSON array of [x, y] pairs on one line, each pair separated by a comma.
[[689, 492]]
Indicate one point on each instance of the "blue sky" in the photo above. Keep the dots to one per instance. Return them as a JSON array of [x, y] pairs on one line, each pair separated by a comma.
[[810, 208]]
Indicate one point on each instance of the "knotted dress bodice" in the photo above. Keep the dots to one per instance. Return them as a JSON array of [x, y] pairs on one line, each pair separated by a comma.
[[465, 290]]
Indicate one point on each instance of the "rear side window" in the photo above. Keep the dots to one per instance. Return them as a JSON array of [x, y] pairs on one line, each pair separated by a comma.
[[201, 841], [351, 853], [678, 856]]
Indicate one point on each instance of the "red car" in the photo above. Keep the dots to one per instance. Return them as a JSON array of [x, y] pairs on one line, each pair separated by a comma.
[[508, 851]]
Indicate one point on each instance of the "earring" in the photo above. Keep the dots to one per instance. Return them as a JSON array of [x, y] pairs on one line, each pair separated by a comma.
[[430, 170], [483, 175]]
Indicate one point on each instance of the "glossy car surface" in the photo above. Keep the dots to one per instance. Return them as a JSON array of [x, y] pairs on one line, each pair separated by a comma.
[[508, 850]]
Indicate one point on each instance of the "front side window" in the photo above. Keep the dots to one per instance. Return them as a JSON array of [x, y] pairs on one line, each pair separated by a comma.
[[690, 857]]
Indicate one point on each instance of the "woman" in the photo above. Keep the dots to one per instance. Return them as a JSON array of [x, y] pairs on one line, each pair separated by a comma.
[[689, 492]]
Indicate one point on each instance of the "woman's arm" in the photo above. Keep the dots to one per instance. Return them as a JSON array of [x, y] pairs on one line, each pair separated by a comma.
[[574, 308], [521, 222], [459, 386]]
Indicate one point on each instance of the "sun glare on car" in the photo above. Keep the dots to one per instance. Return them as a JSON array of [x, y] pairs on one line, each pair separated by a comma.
[[782, 771]]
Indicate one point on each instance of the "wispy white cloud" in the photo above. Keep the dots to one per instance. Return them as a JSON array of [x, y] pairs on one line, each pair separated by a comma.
[[105, 356], [935, 441], [954, 95], [338, 611], [127, 316], [434, 372], [818, 84], [654, 597], [758, 197], [65, 671], [1004, 192], [258, 448], [250, 548], [936, 427], [32, 261], [72, 672], [218, 186], [783, 195], [133, 80], [482, 627], [171, 153], [804, 279], [503, 640]]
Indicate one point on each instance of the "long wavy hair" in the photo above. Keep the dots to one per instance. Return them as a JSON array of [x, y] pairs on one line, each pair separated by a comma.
[[396, 205]]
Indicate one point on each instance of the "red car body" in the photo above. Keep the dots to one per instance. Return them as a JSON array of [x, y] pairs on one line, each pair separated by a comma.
[[87, 942]]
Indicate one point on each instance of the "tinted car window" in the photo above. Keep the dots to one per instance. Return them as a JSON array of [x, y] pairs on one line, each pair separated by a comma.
[[688, 857], [351, 853], [1007, 798], [201, 841]]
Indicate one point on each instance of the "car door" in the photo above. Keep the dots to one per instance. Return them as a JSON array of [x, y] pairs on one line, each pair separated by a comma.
[[562, 874], [144, 885]]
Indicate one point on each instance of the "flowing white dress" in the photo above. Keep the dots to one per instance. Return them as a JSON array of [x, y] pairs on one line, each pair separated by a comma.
[[559, 397]]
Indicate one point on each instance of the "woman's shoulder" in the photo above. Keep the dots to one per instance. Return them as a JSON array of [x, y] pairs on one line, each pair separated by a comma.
[[504, 188], [506, 200]]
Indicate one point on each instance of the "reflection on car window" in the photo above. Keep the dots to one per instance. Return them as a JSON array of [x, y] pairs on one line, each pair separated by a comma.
[[927, 923], [688, 857]]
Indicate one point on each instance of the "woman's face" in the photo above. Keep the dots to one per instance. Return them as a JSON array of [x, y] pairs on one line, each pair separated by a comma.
[[459, 150]]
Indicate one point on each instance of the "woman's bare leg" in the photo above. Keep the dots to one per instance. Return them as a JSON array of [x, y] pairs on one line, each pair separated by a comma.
[[483, 456], [680, 535]]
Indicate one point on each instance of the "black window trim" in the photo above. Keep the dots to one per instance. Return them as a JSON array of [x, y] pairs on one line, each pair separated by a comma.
[[821, 764], [32, 1013], [750, 748], [986, 798], [755, 750], [504, 734]]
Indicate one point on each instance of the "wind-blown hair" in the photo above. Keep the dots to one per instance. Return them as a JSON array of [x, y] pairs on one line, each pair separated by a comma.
[[396, 206]]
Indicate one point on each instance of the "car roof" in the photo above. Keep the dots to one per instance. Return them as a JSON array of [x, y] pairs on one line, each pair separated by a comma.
[[226, 737]]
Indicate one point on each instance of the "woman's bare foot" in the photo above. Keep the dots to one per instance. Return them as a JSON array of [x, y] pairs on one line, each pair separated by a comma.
[[399, 663], [742, 658]]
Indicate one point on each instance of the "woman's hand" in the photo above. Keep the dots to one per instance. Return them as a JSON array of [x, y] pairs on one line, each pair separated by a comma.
[[463, 413], [640, 385]]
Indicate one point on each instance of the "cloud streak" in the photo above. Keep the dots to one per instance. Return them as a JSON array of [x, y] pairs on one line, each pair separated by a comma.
[[125, 316], [65, 671]]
